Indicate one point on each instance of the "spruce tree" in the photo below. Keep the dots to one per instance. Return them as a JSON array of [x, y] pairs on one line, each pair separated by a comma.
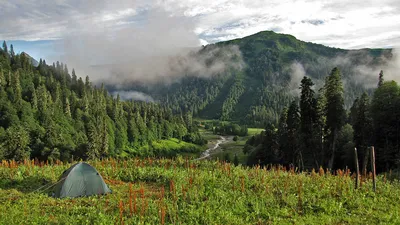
[[93, 142], [319, 127], [292, 153], [2, 79], [104, 140], [283, 136], [363, 130], [12, 53], [34, 100], [17, 88], [67, 108], [335, 112], [381, 80], [236, 160], [16, 143], [385, 114], [5, 48], [308, 117]]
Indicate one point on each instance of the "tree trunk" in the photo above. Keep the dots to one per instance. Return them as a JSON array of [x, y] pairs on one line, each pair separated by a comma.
[[357, 168], [330, 164], [322, 162], [301, 162]]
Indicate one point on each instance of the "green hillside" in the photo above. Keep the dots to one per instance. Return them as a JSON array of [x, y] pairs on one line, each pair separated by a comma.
[[260, 91], [48, 113]]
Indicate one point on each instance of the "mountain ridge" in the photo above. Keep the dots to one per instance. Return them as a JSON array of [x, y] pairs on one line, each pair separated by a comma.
[[263, 90]]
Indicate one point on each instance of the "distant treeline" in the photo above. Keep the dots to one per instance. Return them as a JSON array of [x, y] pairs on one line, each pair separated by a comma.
[[317, 131], [226, 128], [48, 113]]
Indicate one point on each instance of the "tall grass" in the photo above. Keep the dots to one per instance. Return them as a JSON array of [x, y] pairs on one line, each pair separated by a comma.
[[180, 191]]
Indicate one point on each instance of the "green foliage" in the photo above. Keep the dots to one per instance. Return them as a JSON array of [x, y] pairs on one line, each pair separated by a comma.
[[224, 128], [227, 157], [15, 143], [303, 133], [360, 117], [386, 121], [308, 117], [257, 94], [46, 114], [168, 148], [322, 134], [236, 160]]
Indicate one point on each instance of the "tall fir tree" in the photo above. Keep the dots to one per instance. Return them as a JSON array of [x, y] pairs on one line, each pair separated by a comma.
[[363, 129], [293, 153], [5, 48], [308, 117], [381, 80], [335, 112], [2, 79]]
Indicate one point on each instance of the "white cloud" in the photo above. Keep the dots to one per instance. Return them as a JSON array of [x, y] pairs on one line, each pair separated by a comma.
[[119, 14], [127, 95], [339, 23]]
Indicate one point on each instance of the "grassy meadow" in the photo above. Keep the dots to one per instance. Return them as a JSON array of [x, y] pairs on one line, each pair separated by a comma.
[[167, 148], [182, 191]]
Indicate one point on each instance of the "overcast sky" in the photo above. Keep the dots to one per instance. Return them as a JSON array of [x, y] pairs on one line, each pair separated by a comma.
[[37, 24]]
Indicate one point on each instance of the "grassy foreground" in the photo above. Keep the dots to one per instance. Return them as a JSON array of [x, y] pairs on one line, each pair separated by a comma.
[[149, 191]]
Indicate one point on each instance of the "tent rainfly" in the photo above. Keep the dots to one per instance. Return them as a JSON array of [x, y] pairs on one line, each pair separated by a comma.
[[80, 180]]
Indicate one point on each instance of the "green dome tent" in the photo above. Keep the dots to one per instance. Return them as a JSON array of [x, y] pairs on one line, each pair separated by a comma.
[[79, 180]]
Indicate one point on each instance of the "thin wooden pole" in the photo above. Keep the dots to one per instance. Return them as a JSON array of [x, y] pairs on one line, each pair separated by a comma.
[[357, 167], [373, 167]]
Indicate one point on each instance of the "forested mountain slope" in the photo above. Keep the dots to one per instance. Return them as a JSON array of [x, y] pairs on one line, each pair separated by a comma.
[[48, 113], [275, 64]]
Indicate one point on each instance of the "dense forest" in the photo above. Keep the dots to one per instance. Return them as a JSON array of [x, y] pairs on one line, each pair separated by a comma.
[[317, 131], [49, 114], [258, 93]]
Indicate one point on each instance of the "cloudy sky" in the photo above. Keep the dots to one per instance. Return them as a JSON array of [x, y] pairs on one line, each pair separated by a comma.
[[44, 28]]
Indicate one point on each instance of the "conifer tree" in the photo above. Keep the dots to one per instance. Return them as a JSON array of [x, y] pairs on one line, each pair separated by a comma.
[[9, 79], [381, 80], [17, 87], [363, 130], [236, 160], [293, 153], [5, 48], [16, 143], [12, 53], [104, 140], [67, 108], [308, 117], [93, 142], [335, 112], [283, 134], [2, 79], [34, 100], [319, 127]]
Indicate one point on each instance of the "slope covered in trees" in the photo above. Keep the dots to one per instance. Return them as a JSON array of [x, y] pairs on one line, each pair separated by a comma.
[[259, 92], [317, 130], [48, 113]]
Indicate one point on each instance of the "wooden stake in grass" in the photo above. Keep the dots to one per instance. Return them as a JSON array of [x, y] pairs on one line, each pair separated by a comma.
[[373, 167], [357, 167]]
